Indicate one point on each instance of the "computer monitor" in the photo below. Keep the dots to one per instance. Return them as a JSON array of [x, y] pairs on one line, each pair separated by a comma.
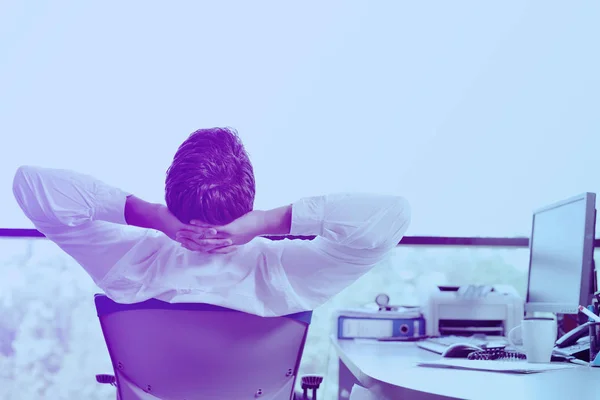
[[561, 256]]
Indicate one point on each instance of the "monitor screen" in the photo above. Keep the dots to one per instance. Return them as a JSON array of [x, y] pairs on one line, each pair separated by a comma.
[[561, 256]]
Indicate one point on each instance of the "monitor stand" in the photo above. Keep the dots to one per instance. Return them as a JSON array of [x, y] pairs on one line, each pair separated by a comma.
[[573, 328], [567, 323]]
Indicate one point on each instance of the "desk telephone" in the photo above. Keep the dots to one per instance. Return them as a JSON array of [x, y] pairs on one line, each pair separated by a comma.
[[575, 343]]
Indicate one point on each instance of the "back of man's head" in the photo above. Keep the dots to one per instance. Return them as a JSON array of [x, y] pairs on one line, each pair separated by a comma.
[[211, 178]]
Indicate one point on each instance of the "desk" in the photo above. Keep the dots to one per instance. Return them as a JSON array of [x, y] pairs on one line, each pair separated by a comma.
[[389, 369]]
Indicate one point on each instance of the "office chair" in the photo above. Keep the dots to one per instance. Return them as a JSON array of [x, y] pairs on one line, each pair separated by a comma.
[[190, 351]]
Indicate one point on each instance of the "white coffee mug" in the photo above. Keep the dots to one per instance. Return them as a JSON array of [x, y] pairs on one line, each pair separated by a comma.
[[538, 336]]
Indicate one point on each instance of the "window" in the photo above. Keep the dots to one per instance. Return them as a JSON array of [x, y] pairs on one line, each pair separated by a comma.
[[51, 344]]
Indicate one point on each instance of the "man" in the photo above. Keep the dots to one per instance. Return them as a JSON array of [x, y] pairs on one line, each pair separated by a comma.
[[204, 246]]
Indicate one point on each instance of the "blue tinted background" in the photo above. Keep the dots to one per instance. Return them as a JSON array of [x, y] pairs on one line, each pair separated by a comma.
[[478, 112]]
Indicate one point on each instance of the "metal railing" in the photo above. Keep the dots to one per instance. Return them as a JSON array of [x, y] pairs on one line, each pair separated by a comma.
[[407, 240]]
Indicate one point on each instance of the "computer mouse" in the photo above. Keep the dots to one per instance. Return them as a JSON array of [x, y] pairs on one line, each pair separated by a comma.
[[460, 350]]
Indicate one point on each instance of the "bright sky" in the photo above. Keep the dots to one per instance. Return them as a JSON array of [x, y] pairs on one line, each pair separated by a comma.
[[477, 111]]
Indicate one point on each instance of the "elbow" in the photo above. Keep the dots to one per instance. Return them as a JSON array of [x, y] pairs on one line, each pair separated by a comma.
[[22, 173], [20, 181], [384, 231], [402, 216], [404, 210], [395, 223], [22, 185], [401, 205]]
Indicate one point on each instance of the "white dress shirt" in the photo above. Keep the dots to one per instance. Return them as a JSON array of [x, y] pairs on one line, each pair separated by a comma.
[[85, 218]]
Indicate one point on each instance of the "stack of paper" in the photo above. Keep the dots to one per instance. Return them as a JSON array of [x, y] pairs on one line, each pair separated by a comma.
[[515, 367]]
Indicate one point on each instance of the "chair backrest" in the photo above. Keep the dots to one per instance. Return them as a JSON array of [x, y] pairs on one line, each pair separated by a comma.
[[199, 351]]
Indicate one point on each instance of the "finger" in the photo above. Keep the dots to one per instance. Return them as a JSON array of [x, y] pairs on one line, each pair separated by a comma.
[[199, 231], [196, 234], [196, 222], [179, 236], [188, 246], [212, 230]]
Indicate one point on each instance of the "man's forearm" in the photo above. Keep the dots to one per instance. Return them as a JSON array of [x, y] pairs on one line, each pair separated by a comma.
[[143, 214], [277, 221]]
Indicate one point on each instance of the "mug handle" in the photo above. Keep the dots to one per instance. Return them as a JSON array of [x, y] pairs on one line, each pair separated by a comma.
[[511, 337]]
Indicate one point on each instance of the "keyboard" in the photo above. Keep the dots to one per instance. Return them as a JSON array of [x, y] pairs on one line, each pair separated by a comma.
[[440, 344]]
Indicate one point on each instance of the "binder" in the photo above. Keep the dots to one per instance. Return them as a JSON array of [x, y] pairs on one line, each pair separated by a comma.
[[367, 324]]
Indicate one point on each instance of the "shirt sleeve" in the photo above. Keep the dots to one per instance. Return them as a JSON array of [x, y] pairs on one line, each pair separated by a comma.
[[55, 199], [82, 215], [354, 233]]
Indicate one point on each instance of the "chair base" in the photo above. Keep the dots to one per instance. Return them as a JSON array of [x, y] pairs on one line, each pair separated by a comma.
[[108, 379]]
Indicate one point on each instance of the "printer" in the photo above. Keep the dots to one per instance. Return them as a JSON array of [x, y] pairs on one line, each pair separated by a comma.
[[470, 310]]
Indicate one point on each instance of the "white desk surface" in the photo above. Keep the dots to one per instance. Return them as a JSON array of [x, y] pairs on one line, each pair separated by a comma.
[[389, 368]]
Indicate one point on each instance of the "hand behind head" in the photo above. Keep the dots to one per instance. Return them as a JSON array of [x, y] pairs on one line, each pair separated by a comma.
[[212, 238]]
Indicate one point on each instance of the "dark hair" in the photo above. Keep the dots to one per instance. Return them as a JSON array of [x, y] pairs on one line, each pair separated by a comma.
[[211, 178]]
